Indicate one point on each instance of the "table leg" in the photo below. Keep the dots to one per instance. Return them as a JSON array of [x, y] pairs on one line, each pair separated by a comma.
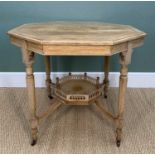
[[106, 74], [48, 78], [125, 58], [28, 58]]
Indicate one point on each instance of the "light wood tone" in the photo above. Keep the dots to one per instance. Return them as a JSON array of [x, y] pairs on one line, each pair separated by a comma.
[[53, 107], [76, 50], [125, 59], [28, 59], [78, 89], [106, 74], [48, 78], [37, 48], [76, 39], [76, 33], [108, 114]]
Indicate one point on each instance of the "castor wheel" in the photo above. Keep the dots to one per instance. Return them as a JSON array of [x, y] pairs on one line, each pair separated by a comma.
[[105, 96], [118, 142], [50, 96], [34, 142]]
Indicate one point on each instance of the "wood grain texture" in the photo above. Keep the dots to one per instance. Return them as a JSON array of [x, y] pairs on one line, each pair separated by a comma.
[[76, 38], [73, 33]]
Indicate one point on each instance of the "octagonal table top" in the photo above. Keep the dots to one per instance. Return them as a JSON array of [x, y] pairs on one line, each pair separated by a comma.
[[76, 38], [76, 33]]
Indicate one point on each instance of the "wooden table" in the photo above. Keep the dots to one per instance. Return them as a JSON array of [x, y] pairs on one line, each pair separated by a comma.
[[76, 39]]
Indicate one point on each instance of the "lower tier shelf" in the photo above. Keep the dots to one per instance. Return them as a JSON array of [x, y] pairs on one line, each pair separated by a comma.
[[77, 89]]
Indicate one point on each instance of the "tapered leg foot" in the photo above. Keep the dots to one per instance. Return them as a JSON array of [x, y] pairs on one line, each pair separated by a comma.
[[50, 96], [105, 96], [34, 142], [34, 131], [118, 142], [118, 137]]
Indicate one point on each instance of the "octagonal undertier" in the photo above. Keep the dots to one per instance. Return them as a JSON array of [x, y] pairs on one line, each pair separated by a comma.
[[77, 89]]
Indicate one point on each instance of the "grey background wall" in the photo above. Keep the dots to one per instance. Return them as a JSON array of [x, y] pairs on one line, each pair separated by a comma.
[[138, 14]]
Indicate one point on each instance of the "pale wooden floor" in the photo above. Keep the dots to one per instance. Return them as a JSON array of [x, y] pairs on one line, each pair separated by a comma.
[[77, 129]]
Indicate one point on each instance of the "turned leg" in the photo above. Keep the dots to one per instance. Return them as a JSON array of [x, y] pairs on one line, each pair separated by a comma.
[[125, 58], [121, 102], [28, 58], [106, 74], [48, 78]]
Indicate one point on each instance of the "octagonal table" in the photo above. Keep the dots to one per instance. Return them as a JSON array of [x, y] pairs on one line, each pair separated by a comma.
[[76, 39]]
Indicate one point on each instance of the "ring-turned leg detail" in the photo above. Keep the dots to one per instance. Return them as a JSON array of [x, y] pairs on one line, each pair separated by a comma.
[[28, 59], [106, 74], [125, 58], [48, 78]]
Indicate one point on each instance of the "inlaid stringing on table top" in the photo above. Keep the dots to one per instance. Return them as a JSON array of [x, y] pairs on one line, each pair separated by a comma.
[[76, 38]]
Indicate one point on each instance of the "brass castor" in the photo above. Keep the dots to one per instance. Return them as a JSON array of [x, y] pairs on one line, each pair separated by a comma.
[[34, 142], [118, 142], [50, 96], [105, 96]]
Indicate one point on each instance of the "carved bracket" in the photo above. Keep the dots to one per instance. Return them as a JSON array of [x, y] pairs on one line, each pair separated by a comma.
[[125, 56], [28, 56]]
